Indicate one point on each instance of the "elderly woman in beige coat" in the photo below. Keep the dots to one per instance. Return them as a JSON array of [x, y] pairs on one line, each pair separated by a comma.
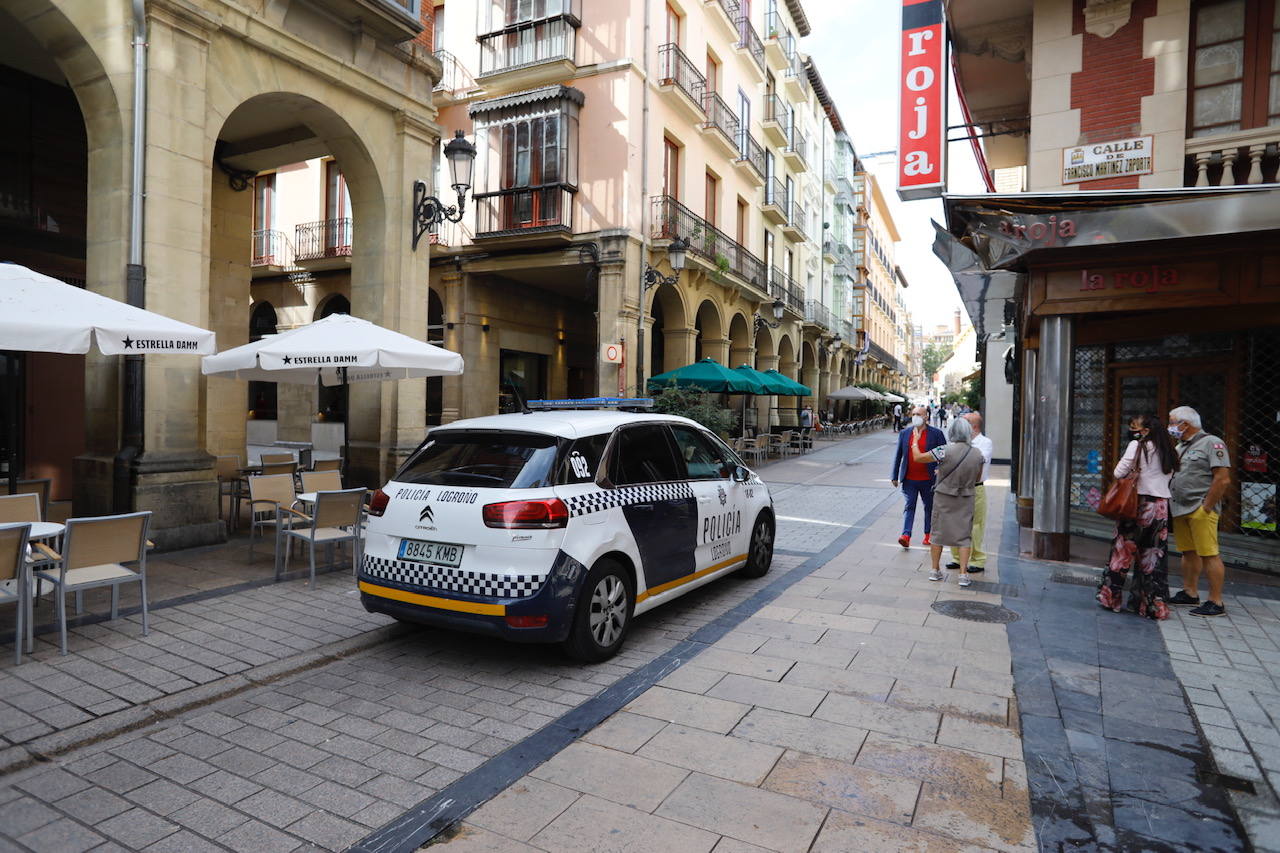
[[959, 469]]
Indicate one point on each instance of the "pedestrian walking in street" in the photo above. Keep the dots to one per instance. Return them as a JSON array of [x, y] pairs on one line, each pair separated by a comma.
[[977, 557], [959, 468], [916, 477], [1141, 545], [1204, 472], [897, 417], [806, 417]]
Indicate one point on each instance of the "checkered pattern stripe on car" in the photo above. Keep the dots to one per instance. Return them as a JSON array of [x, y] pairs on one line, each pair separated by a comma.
[[603, 499], [453, 580]]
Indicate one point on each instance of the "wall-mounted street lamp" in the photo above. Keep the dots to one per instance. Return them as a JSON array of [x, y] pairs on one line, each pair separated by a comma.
[[761, 323], [429, 211], [675, 256]]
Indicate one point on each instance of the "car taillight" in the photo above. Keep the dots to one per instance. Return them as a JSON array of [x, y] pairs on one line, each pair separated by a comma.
[[539, 621], [520, 515], [378, 503]]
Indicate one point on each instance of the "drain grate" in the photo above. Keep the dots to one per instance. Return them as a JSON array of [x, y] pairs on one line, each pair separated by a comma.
[[1224, 780], [1073, 579], [1008, 590], [975, 611]]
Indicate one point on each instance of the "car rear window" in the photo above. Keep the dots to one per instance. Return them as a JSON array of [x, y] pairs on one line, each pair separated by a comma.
[[487, 460]]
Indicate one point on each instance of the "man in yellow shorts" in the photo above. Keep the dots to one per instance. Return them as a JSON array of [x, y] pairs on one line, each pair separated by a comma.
[[1204, 472]]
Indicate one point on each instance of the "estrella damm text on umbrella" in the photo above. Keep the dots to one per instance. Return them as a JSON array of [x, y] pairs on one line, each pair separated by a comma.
[[158, 344], [320, 359]]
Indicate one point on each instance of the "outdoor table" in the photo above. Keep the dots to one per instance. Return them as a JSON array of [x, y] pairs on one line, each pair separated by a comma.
[[307, 497], [46, 530], [39, 530]]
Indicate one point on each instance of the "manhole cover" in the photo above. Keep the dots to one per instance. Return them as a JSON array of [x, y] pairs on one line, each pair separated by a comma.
[[975, 611]]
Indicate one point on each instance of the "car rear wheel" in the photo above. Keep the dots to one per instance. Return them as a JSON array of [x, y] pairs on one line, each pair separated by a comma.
[[603, 615], [760, 548]]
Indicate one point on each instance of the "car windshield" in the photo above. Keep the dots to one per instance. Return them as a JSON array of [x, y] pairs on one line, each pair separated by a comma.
[[493, 460]]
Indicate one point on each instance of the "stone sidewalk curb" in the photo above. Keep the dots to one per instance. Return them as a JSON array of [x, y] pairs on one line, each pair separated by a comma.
[[128, 719]]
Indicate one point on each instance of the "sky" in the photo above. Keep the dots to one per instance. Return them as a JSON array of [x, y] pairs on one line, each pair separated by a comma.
[[854, 45]]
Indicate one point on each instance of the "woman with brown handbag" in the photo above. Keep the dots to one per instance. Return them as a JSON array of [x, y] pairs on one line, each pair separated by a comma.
[[1141, 543]]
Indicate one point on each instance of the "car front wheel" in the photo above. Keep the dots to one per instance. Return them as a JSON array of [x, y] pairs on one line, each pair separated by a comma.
[[603, 615], [760, 549]]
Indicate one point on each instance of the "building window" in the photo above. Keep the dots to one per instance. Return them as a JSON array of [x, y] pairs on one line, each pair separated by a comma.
[[768, 249], [743, 209], [711, 202], [516, 33], [527, 165], [1235, 66], [673, 26], [670, 169], [267, 245], [337, 211], [437, 27], [713, 74]]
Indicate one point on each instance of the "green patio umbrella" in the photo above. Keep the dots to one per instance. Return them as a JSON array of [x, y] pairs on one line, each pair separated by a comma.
[[797, 390], [774, 382], [707, 375]]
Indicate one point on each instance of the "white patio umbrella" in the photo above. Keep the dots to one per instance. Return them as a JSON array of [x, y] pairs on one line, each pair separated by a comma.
[[39, 313], [336, 350]]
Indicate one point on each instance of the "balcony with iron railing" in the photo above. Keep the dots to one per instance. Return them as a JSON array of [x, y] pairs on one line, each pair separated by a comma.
[[793, 228], [533, 214], [724, 15], [779, 43], [722, 126], [672, 219], [797, 151], [681, 81], [749, 44], [528, 54], [750, 159], [326, 239], [1233, 159], [270, 249], [389, 21], [784, 287], [795, 79], [815, 313], [777, 120], [776, 202], [455, 80], [882, 355]]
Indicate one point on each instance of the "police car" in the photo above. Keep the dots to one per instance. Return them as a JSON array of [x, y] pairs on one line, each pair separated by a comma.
[[561, 526]]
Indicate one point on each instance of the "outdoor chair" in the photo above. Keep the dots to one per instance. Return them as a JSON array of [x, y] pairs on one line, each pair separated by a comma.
[[267, 493], [327, 465], [40, 488], [13, 577], [269, 468], [780, 443], [227, 470], [321, 481], [270, 458], [335, 518], [20, 508], [94, 551], [759, 448]]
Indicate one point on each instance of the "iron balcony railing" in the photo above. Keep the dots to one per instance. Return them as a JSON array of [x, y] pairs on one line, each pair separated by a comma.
[[749, 40], [776, 110], [731, 8], [453, 76], [750, 151], [527, 43], [327, 238], [774, 28], [672, 219], [795, 69], [775, 193], [721, 117], [816, 312], [675, 69], [524, 209], [784, 287], [881, 355], [799, 145], [270, 248], [796, 219]]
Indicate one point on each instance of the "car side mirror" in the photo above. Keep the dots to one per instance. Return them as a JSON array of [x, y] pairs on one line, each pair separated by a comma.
[[741, 474]]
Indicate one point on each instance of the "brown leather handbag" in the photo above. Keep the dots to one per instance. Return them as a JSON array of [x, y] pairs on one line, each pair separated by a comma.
[[1120, 503]]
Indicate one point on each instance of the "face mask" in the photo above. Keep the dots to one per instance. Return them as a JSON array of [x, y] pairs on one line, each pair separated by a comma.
[[916, 421], [1135, 435], [1175, 432]]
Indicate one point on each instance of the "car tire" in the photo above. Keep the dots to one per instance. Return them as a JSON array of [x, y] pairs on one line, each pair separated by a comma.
[[759, 548], [603, 615]]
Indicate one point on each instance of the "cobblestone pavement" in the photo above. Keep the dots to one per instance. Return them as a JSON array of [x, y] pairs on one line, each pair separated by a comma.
[[845, 715], [309, 759], [1229, 667]]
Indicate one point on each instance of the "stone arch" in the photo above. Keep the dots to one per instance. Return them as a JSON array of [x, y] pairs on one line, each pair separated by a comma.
[[435, 335], [670, 335], [766, 349], [787, 363], [741, 342], [711, 342], [334, 303]]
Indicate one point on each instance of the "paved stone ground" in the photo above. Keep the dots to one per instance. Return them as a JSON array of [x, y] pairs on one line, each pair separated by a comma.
[[1229, 667], [314, 759], [846, 715]]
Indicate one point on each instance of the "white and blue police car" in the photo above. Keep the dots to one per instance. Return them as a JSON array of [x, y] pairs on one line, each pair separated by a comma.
[[561, 526]]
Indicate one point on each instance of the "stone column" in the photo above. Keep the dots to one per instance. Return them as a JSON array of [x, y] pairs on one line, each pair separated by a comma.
[[678, 347], [617, 273], [1052, 541], [741, 354], [230, 238], [450, 284], [765, 405], [717, 348], [387, 420]]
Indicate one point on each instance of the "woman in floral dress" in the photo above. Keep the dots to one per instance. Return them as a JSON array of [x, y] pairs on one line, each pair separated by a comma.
[[1142, 545]]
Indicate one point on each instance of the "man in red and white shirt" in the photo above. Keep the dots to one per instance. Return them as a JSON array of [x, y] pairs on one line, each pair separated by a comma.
[[916, 477]]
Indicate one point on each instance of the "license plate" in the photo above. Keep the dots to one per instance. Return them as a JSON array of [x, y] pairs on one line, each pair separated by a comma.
[[435, 553]]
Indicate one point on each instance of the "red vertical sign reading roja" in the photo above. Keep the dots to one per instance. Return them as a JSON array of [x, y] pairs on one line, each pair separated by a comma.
[[923, 97]]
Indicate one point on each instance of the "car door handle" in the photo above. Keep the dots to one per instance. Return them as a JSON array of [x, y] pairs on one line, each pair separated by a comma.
[[642, 506]]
